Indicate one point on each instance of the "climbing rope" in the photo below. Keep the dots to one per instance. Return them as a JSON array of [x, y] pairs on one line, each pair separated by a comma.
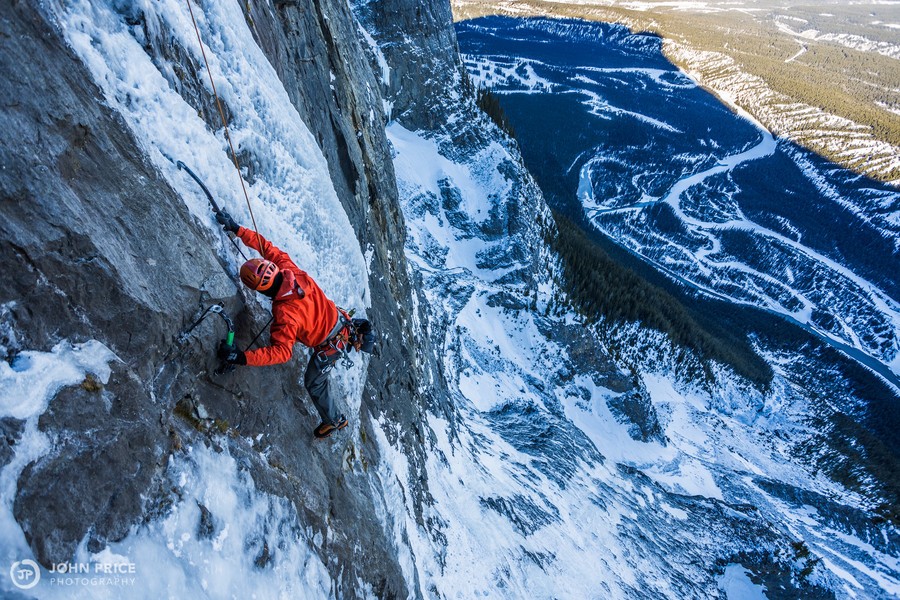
[[225, 125]]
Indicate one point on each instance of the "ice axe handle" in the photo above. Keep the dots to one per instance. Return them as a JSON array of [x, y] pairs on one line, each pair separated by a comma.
[[209, 196], [230, 338]]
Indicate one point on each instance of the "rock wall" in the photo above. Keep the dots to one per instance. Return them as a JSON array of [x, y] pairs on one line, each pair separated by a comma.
[[419, 46], [98, 246], [94, 245]]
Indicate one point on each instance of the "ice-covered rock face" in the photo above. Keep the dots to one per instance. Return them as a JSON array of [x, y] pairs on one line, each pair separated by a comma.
[[104, 239], [496, 448]]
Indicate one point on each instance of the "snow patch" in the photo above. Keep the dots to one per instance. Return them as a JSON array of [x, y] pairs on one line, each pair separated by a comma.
[[26, 388], [378, 54], [223, 563], [736, 584], [33, 379], [171, 558]]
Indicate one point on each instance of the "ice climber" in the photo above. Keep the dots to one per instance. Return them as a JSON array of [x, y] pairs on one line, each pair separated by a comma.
[[301, 312]]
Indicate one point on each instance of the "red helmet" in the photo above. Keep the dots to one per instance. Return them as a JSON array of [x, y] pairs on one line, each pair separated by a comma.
[[259, 274]]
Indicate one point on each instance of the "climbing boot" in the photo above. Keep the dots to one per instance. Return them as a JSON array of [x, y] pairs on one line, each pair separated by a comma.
[[325, 429]]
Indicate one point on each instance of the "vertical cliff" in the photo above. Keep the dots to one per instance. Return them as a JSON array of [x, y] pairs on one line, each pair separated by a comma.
[[500, 445], [417, 57], [105, 241]]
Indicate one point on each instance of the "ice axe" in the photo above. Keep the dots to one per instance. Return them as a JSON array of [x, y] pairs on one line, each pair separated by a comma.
[[193, 175], [209, 196], [224, 367]]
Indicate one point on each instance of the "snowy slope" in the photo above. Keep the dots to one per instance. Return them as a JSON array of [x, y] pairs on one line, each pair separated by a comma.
[[539, 489]]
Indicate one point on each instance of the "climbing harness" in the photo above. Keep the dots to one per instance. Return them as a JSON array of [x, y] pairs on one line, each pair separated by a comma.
[[224, 124], [224, 366], [346, 337]]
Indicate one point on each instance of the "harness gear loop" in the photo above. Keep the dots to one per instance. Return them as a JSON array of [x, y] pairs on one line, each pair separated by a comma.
[[225, 125], [346, 336]]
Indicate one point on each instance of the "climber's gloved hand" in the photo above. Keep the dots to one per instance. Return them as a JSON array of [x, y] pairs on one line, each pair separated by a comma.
[[226, 221], [230, 354], [365, 336]]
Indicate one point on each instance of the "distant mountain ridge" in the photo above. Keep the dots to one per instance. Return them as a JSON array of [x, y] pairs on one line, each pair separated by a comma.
[[668, 172], [837, 94]]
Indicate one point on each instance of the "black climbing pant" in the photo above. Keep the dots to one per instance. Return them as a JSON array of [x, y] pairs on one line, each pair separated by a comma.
[[316, 382], [322, 362]]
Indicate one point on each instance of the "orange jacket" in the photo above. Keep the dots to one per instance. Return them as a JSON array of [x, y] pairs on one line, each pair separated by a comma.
[[301, 310]]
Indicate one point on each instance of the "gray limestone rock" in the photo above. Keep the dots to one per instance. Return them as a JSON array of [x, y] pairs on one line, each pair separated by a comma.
[[419, 45], [636, 410], [98, 246], [10, 433]]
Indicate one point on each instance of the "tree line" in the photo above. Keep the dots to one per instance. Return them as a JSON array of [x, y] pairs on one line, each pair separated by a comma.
[[601, 288]]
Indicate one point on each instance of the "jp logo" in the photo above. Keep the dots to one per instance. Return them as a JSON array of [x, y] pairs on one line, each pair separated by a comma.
[[25, 574]]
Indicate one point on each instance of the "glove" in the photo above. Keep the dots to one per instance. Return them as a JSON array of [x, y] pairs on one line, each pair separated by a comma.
[[227, 222], [231, 355], [365, 337]]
